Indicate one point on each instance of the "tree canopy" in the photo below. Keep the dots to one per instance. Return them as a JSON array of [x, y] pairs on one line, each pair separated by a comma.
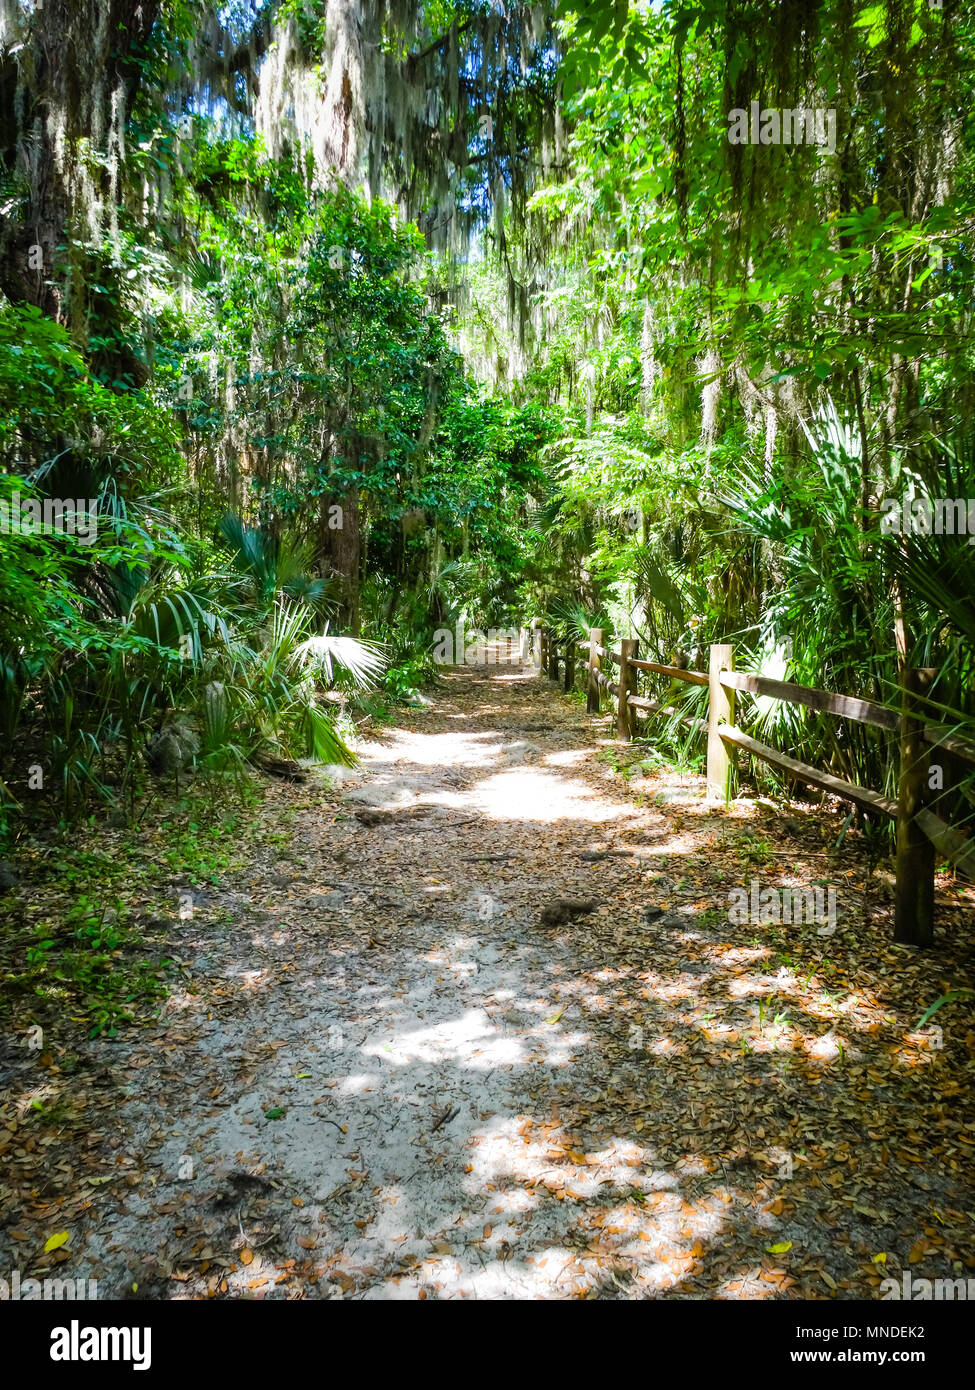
[[638, 312]]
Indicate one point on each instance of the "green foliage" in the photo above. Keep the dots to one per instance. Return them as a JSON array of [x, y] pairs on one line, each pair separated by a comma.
[[680, 379], [750, 346], [403, 681], [290, 332]]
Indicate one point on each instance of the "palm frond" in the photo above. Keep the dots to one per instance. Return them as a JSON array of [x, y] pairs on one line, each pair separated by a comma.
[[365, 661]]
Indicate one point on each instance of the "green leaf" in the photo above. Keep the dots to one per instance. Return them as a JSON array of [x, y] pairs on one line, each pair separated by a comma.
[[948, 998]]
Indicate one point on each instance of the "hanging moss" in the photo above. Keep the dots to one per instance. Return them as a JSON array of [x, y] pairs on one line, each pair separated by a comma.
[[456, 126], [447, 125]]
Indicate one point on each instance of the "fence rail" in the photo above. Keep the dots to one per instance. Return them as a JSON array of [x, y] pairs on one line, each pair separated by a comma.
[[919, 830]]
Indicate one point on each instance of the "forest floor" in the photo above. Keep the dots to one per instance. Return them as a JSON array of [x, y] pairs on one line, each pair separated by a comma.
[[392, 1066]]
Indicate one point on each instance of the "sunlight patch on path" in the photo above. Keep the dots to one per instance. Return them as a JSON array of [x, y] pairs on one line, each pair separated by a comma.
[[539, 796]]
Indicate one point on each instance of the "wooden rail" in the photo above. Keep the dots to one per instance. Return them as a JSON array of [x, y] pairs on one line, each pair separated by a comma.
[[919, 830], [803, 772], [942, 737], [863, 711], [677, 673]]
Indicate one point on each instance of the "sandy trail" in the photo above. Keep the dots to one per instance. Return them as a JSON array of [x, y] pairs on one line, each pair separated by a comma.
[[385, 1078]]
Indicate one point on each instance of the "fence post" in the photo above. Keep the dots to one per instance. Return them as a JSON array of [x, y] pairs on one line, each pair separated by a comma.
[[537, 642], [632, 690], [595, 664], [914, 888], [629, 647], [542, 650], [570, 665], [721, 710], [523, 644], [553, 658]]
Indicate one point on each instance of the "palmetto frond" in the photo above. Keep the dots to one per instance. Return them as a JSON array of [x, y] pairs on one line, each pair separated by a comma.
[[276, 565], [364, 661]]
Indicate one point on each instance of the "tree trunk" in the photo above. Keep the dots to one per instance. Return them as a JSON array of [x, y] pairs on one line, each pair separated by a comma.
[[341, 548], [73, 79]]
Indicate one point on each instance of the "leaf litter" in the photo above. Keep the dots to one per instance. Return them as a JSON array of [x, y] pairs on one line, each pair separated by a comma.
[[475, 1024]]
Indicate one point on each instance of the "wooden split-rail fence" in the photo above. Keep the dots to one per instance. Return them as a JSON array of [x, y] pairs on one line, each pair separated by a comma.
[[921, 833]]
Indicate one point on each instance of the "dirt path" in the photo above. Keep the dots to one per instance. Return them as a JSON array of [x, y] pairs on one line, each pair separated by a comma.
[[388, 1077]]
